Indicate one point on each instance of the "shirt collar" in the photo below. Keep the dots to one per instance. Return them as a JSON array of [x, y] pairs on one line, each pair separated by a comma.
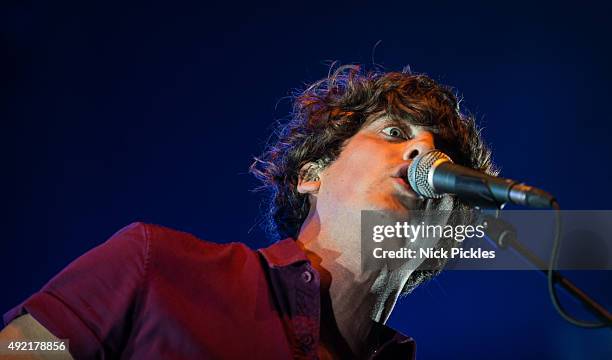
[[283, 253], [386, 342]]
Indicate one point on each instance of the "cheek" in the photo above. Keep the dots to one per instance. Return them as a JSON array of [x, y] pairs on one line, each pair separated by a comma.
[[356, 173], [341, 181]]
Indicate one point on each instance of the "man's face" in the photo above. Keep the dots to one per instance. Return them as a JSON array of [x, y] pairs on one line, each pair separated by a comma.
[[370, 173]]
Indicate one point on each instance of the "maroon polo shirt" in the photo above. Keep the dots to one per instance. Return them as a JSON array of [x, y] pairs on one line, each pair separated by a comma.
[[150, 292]]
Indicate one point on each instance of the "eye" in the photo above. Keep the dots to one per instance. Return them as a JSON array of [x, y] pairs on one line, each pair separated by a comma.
[[394, 132]]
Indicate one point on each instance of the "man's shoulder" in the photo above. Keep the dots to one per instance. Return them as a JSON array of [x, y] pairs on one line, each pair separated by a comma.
[[165, 242]]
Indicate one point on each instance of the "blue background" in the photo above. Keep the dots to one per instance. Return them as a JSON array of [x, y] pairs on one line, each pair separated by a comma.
[[113, 113]]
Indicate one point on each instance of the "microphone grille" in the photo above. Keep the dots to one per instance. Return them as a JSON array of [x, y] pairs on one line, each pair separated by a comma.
[[418, 173]]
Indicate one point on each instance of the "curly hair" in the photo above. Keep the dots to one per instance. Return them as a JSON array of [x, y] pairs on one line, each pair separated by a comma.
[[330, 111]]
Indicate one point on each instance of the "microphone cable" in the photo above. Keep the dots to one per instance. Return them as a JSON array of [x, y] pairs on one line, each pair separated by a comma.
[[607, 321]]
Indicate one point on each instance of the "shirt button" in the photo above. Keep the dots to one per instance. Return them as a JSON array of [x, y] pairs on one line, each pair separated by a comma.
[[307, 276], [306, 341]]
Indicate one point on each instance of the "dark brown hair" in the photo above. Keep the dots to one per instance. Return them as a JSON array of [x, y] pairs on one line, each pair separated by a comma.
[[330, 111]]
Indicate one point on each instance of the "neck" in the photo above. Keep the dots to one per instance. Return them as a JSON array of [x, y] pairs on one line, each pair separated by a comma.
[[350, 298]]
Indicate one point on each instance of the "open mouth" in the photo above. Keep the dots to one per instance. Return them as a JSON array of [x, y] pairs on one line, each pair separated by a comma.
[[401, 179], [405, 187]]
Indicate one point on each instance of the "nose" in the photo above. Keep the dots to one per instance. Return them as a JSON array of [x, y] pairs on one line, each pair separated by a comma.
[[423, 142]]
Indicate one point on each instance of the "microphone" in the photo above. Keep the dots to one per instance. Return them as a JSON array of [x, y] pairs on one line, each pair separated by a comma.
[[433, 174]]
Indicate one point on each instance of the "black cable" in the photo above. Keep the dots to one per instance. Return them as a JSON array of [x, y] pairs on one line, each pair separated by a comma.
[[551, 283]]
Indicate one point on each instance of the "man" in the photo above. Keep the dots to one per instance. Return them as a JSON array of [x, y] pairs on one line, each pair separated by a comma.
[[152, 292]]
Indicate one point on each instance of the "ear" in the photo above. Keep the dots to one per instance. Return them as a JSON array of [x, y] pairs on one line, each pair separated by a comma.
[[309, 179]]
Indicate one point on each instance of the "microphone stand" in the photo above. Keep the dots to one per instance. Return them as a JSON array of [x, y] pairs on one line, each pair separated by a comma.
[[504, 235]]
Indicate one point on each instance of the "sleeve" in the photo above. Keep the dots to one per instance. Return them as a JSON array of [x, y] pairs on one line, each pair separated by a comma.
[[91, 301]]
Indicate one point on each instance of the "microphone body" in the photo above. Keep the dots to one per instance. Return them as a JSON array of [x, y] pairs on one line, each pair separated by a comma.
[[433, 174]]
